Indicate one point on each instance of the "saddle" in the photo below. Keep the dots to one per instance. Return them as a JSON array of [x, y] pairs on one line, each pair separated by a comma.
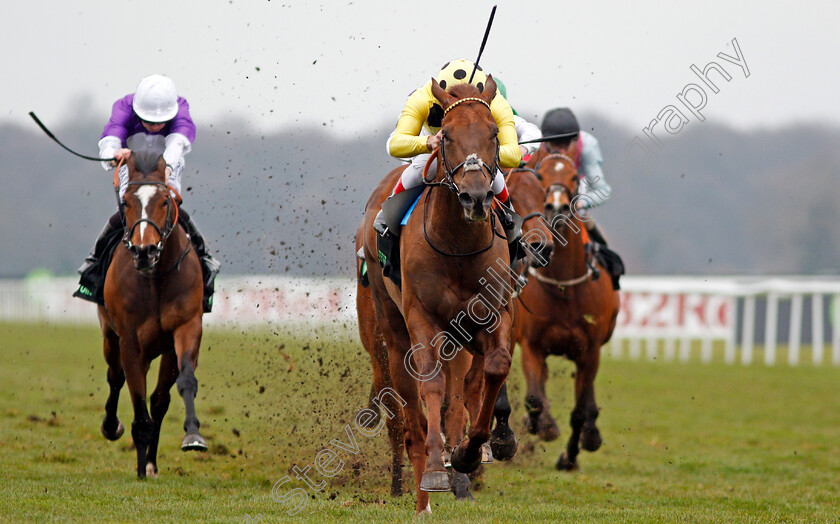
[[610, 260]]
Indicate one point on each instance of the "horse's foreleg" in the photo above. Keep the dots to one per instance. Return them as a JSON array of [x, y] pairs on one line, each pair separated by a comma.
[[414, 422], [160, 404], [455, 417], [427, 369], [584, 413], [467, 456], [187, 339], [112, 428], [135, 367], [539, 420]]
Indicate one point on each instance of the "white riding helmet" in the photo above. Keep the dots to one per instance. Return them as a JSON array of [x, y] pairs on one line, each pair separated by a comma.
[[155, 99]]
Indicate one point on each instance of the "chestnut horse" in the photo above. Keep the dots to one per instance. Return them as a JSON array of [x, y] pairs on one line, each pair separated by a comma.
[[527, 196], [153, 292], [447, 247], [566, 309]]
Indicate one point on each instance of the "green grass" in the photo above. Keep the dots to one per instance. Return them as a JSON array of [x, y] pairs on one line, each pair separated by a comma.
[[682, 442]]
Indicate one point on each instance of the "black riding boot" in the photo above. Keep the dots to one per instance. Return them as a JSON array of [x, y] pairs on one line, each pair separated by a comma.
[[209, 265], [388, 224], [512, 225], [595, 233], [95, 266]]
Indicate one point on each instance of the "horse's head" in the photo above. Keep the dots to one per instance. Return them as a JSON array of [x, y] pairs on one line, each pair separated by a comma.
[[469, 146], [527, 195], [151, 212], [559, 178]]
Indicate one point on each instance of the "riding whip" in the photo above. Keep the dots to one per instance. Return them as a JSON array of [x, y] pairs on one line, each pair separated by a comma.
[[57, 141], [549, 138], [483, 42]]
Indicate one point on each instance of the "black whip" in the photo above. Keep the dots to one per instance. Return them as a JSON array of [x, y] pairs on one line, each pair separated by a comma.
[[57, 141], [550, 138], [483, 42]]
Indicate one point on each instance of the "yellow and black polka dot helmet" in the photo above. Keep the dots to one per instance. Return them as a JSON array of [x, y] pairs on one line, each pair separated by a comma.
[[458, 72]]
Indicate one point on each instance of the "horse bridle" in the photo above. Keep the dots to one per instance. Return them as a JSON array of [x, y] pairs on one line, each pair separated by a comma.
[[169, 224], [471, 163]]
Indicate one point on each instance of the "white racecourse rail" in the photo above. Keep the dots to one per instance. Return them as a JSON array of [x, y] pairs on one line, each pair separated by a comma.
[[668, 311]]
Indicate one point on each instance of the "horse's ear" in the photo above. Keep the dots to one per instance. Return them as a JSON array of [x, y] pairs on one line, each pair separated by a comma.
[[161, 166], [130, 163], [489, 92], [442, 96]]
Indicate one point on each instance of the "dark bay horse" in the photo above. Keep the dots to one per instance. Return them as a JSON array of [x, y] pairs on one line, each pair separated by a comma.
[[527, 196], [153, 292], [447, 247], [564, 311]]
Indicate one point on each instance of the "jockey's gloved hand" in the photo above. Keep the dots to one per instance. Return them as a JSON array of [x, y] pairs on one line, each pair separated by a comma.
[[120, 155]]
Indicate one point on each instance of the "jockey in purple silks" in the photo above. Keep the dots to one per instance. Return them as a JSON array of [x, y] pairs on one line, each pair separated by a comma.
[[154, 119]]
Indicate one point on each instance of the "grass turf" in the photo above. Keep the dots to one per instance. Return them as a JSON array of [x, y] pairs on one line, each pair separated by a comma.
[[682, 442]]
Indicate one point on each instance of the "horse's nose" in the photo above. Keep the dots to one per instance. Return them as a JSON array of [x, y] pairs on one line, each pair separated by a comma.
[[542, 253], [474, 200], [148, 252]]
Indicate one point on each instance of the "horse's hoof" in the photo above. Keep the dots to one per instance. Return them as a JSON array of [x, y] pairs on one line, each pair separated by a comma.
[[590, 439], [193, 442], [565, 464], [486, 453], [113, 435], [461, 487], [434, 481], [463, 463], [549, 431], [447, 459], [503, 442], [151, 470]]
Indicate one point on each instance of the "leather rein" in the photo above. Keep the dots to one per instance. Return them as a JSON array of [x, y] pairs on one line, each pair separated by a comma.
[[471, 163]]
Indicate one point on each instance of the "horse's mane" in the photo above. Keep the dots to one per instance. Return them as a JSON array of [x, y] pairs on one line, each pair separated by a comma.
[[146, 162]]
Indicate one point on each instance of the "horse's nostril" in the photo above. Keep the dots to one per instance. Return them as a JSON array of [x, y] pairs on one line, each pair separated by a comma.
[[488, 198], [465, 198]]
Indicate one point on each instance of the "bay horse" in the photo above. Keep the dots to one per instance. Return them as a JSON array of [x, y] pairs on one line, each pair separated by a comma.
[[527, 197], [565, 310], [447, 247], [153, 292]]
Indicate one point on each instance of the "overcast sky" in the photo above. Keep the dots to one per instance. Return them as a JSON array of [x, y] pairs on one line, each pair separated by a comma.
[[350, 65]]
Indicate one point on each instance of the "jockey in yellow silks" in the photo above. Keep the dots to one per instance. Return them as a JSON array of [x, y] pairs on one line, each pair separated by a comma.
[[418, 133]]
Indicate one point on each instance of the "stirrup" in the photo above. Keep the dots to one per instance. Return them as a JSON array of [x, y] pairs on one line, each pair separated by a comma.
[[209, 268]]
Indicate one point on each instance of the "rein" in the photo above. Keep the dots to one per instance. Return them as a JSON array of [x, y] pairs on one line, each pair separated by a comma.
[[471, 163], [561, 284]]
